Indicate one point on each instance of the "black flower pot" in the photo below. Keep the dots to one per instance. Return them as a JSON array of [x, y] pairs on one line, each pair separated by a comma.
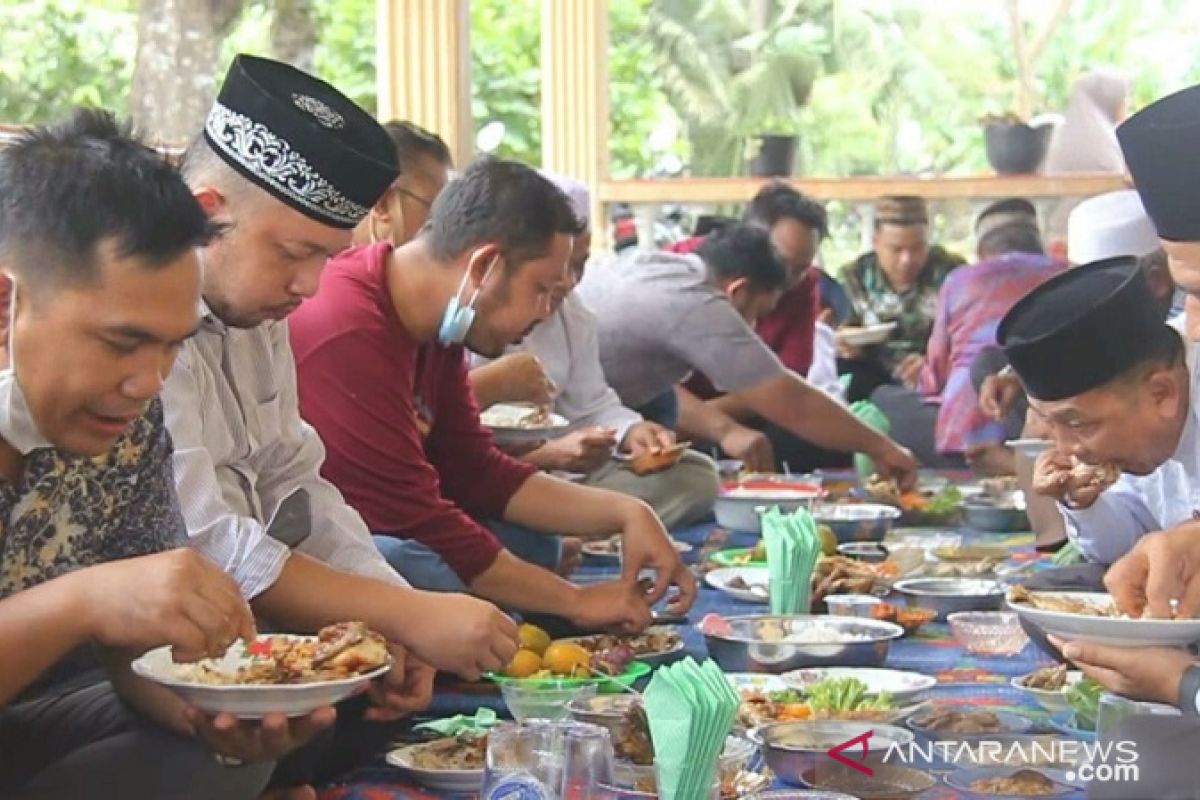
[[1016, 148], [776, 156]]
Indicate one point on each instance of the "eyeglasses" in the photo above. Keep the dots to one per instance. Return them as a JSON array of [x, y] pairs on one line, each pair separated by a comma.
[[427, 203]]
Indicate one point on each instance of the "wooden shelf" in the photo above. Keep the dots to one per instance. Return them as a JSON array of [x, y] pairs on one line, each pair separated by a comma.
[[739, 190]]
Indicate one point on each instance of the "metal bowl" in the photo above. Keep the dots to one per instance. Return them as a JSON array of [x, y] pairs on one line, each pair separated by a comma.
[[606, 710], [945, 596], [984, 516], [870, 552], [856, 522], [793, 748], [737, 507], [757, 643]]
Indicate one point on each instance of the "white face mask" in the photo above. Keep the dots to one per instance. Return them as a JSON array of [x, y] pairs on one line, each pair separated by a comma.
[[17, 426]]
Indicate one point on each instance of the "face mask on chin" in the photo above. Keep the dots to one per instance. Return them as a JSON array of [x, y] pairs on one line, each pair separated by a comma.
[[17, 425]]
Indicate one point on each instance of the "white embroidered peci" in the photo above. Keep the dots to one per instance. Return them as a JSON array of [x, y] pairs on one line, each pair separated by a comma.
[[273, 160]]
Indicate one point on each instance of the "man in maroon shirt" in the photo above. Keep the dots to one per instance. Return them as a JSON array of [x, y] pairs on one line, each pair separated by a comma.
[[382, 377], [797, 225]]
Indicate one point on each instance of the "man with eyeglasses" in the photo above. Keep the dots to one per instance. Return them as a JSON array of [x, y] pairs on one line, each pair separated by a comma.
[[401, 212]]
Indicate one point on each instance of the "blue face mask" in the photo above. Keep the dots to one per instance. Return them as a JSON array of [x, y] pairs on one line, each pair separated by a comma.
[[457, 320]]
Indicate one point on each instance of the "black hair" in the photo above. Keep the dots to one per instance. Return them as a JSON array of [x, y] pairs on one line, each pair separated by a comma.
[[743, 251], [778, 201], [503, 203], [70, 187], [1012, 238], [412, 142], [710, 223]]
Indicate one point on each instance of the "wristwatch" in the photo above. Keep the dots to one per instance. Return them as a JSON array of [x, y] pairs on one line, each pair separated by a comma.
[[1189, 691]]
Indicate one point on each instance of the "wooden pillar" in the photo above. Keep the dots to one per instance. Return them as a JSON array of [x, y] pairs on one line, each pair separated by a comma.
[[423, 68], [575, 97]]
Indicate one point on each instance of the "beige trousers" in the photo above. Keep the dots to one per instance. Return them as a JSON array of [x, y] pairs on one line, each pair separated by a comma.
[[681, 495]]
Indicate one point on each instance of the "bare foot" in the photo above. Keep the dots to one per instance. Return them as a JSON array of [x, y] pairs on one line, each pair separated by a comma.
[[572, 556]]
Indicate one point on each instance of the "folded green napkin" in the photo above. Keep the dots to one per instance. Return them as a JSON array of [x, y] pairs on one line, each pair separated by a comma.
[[691, 709], [793, 547], [872, 415], [483, 720]]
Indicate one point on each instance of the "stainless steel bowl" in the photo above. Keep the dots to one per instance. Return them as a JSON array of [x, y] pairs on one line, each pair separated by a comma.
[[948, 595], [606, 710], [794, 748], [856, 522], [759, 643], [984, 516]]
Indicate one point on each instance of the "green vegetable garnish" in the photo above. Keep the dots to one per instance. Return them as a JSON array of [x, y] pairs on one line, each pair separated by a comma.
[[1084, 699], [845, 694], [945, 502]]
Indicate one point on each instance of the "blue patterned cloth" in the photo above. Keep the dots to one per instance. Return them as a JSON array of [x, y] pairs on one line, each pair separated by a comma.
[[962, 678]]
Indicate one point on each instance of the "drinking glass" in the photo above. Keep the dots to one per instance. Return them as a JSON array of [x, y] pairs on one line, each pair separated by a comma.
[[542, 760]]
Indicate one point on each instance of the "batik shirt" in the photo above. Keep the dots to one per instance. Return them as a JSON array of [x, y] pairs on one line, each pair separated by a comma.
[[67, 512], [913, 311]]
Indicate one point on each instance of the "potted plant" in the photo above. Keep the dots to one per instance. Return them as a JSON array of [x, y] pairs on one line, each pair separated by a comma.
[[740, 77], [1014, 144]]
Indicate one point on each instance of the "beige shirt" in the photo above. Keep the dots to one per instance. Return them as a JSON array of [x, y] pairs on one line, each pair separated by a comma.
[[242, 450]]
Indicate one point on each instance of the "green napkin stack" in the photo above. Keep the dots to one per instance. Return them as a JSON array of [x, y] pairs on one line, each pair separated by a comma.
[[872, 415], [480, 723], [793, 547], [691, 708]]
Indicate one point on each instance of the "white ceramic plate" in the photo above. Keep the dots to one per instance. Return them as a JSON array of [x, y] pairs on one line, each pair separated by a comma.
[[901, 685], [720, 578], [1115, 631], [1030, 448], [603, 551], [501, 420], [868, 335], [248, 701], [1054, 701], [653, 659], [757, 681], [459, 781]]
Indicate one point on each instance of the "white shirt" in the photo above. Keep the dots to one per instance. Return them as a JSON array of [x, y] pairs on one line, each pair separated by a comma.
[[1137, 505], [242, 450], [566, 345], [823, 373]]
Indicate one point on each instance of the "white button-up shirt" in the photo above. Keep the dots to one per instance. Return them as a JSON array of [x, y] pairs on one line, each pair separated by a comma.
[[1137, 505], [242, 450], [566, 345]]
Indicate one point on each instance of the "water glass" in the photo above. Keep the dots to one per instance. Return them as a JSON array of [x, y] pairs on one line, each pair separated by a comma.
[[543, 760]]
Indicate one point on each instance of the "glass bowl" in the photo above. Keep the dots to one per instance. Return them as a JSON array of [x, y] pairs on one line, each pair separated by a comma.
[[543, 699], [988, 633]]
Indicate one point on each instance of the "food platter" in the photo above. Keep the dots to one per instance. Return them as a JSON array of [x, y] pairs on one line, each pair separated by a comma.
[[419, 763], [901, 685], [514, 423], [610, 549], [864, 336], [1066, 615], [655, 646], [208, 685], [748, 584]]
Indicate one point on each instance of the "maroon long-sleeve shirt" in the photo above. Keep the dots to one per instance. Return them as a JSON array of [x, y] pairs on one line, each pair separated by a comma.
[[398, 419]]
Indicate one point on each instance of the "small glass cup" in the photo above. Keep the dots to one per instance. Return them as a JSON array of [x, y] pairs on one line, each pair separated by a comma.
[[544, 760]]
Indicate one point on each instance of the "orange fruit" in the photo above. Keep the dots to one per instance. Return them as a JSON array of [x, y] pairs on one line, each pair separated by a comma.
[[524, 664], [567, 659], [533, 638]]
